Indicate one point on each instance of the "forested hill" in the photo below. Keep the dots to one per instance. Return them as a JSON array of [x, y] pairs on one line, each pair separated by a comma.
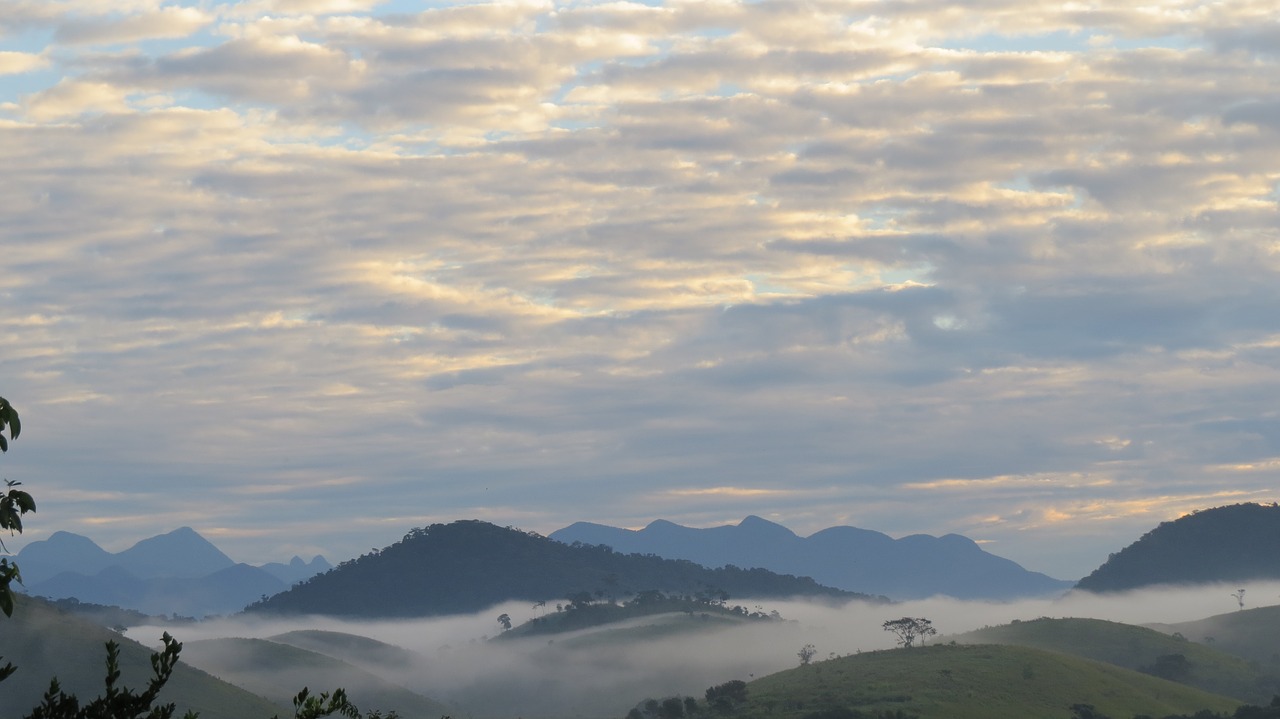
[[1225, 544], [467, 566]]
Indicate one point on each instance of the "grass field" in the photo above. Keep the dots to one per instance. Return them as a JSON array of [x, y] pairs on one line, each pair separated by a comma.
[[972, 682], [1134, 647]]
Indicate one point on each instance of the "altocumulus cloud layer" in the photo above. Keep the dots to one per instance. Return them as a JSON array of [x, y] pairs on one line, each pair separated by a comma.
[[306, 273]]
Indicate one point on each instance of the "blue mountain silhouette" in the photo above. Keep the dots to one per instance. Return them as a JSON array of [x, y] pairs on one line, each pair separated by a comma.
[[850, 558]]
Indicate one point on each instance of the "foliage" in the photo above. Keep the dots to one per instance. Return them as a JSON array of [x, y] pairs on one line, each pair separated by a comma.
[[850, 713], [704, 607], [1086, 711], [1173, 667], [908, 629], [117, 702], [734, 691], [1230, 543], [806, 654], [721, 699], [13, 504], [308, 706], [8, 421]]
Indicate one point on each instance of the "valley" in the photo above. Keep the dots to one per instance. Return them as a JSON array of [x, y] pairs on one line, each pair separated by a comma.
[[472, 620]]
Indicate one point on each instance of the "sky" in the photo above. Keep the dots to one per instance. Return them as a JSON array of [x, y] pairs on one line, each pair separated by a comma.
[[306, 274]]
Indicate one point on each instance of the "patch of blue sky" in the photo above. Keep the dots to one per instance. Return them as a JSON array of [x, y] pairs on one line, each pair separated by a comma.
[[204, 37], [879, 217], [348, 136], [716, 33], [29, 40], [921, 274], [413, 7], [1057, 41], [1163, 42], [766, 285], [198, 100], [727, 89], [14, 87], [576, 124], [1021, 183]]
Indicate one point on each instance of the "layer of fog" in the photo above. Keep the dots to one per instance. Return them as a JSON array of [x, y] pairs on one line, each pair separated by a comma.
[[592, 674]]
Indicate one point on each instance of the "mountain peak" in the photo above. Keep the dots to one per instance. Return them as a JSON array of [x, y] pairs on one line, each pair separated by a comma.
[[859, 560], [180, 553], [661, 524], [760, 524]]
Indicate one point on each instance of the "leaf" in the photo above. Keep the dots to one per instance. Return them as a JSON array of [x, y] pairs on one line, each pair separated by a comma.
[[23, 500], [4, 446], [9, 517], [15, 424]]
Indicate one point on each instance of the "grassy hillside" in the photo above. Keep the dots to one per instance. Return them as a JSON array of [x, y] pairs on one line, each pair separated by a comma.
[[971, 682], [277, 671], [1139, 648], [364, 652], [1253, 634], [43, 641]]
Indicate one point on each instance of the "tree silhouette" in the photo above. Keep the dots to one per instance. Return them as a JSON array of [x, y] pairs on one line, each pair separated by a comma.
[[806, 654], [907, 629]]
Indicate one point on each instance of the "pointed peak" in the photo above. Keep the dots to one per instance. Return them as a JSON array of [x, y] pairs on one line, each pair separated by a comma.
[[661, 524], [760, 524]]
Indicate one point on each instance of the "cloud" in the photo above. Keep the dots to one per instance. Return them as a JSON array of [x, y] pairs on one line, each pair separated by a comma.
[[165, 22], [544, 264], [12, 63], [583, 674]]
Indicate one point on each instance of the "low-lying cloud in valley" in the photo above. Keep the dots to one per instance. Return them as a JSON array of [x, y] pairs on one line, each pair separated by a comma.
[[605, 674]]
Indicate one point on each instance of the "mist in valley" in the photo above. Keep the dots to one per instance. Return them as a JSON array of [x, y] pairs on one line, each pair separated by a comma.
[[605, 671]]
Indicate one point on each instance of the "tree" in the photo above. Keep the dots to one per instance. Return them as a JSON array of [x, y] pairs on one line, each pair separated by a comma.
[[116, 702], [806, 654], [907, 629], [1239, 595], [505, 620], [13, 504]]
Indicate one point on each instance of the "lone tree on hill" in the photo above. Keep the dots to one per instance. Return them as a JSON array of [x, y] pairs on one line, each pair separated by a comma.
[[806, 654], [908, 628]]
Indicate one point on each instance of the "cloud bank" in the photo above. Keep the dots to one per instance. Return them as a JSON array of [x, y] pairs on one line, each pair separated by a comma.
[[606, 674]]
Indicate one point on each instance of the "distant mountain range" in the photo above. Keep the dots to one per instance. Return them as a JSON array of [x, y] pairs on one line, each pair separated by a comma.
[[179, 573], [468, 566], [1225, 544], [849, 558]]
